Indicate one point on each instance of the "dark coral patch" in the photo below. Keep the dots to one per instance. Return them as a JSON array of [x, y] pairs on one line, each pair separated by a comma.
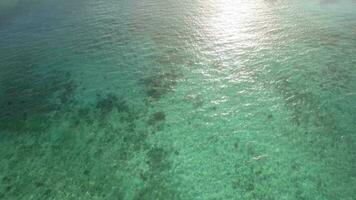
[[106, 104], [159, 84], [157, 118], [157, 189], [158, 159], [111, 102], [157, 186], [40, 95]]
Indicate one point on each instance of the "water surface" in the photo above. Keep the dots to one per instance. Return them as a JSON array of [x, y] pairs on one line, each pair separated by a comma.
[[156, 99]]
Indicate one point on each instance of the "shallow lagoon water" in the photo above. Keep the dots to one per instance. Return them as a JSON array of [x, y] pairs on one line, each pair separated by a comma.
[[178, 100]]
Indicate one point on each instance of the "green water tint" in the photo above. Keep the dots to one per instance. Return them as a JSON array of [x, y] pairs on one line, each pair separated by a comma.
[[178, 100]]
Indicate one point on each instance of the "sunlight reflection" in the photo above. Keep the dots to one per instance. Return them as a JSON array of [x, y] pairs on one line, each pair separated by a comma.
[[231, 18]]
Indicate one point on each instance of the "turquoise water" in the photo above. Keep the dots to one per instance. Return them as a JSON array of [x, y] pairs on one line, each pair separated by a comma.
[[163, 100]]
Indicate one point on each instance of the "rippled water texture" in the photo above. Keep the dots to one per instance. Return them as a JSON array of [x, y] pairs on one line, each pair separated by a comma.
[[165, 100]]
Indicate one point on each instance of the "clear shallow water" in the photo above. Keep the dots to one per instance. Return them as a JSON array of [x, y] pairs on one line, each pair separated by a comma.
[[177, 100]]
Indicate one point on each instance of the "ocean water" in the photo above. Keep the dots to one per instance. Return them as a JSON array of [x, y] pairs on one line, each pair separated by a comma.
[[178, 100]]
